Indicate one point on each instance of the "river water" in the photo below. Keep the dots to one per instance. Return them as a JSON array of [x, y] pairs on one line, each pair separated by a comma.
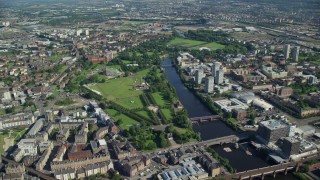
[[194, 106]]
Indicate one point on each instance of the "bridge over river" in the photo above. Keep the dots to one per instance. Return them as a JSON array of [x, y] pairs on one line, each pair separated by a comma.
[[202, 119], [220, 140]]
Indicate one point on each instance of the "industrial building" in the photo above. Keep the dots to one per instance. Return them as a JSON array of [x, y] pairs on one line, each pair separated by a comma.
[[186, 170], [260, 103]]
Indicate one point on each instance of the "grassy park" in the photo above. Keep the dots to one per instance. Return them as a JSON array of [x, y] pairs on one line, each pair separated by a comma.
[[193, 44], [159, 99], [167, 113], [144, 114], [122, 92], [130, 102], [126, 122], [120, 87]]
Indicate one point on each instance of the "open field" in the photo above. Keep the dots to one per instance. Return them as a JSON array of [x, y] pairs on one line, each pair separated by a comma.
[[167, 113], [213, 46], [120, 87], [158, 98], [193, 44], [188, 43], [131, 102], [127, 122], [117, 67], [144, 114]]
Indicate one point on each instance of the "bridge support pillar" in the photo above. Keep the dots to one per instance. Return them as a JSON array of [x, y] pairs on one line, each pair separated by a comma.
[[274, 174], [286, 171], [240, 177], [262, 176], [250, 178]]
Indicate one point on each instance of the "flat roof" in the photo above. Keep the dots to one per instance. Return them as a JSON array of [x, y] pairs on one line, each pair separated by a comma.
[[274, 124], [102, 142]]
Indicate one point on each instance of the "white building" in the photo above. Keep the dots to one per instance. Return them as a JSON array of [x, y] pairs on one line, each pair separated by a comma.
[[28, 147], [313, 79], [199, 76], [7, 96], [16, 120], [287, 51], [209, 84], [79, 31], [6, 23], [36, 128], [215, 67], [262, 104], [295, 54], [218, 79], [228, 105]]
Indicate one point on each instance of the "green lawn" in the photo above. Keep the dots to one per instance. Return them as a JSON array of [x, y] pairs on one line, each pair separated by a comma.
[[233, 120], [120, 87], [2, 112], [144, 114], [127, 62], [167, 113], [158, 98], [114, 67], [112, 112], [185, 42], [130, 103], [126, 121], [180, 130], [188, 43], [213, 46], [140, 54]]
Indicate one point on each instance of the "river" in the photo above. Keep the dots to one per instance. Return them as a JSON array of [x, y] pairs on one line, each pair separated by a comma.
[[195, 107], [190, 102], [238, 158]]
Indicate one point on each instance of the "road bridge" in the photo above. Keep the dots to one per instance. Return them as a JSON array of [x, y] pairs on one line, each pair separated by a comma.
[[205, 119], [221, 140]]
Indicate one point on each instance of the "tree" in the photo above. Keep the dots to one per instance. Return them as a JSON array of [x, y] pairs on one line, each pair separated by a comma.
[[120, 121], [9, 110], [181, 119]]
